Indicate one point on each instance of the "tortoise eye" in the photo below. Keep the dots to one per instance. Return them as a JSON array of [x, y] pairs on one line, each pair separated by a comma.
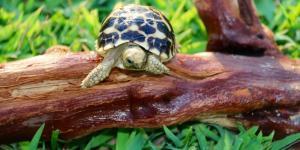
[[129, 61]]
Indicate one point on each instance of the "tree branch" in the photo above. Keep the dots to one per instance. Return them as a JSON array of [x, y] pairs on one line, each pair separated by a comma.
[[46, 89], [233, 27]]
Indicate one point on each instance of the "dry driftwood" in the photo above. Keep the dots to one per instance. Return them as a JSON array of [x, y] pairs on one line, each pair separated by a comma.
[[284, 120], [233, 27], [46, 89], [212, 87]]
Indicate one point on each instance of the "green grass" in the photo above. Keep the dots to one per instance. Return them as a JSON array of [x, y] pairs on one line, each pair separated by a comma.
[[31, 27], [284, 20], [188, 136]]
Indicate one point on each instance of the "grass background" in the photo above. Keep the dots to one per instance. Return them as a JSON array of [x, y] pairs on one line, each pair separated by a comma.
[[28, 28]]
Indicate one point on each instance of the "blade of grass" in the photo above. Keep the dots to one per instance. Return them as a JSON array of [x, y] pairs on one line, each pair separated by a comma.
[[209, 133], [171, 136], [36, 138], [54, 138], [98, 140], [188, 135], [224, 143], [6, 147], [135, 142], [178, 11], [201, 138], [122, 138], [237, 143], [286, 142]]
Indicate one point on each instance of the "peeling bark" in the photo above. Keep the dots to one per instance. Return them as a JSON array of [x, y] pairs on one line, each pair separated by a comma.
[[46, 89]]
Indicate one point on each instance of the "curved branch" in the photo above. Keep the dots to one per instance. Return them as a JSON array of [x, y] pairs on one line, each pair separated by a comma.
[[47, 89], [233, 27]]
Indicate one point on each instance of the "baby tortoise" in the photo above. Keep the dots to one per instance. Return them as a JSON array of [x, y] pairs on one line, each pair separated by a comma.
[[133, 37]]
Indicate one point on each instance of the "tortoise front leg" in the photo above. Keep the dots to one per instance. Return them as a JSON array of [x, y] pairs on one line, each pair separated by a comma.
[[102, 71], [97, 75], [154, 65]]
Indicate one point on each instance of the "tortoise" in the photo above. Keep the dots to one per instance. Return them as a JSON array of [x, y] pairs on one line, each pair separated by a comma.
[[133, 37]]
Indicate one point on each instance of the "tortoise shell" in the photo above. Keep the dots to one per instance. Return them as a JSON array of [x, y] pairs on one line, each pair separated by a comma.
[[141, 25]]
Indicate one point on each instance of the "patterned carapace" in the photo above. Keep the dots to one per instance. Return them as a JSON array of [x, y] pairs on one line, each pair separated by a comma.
[[141, 25]]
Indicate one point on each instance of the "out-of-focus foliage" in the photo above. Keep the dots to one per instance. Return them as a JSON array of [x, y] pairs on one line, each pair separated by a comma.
[[283, 18], [28, 28], [33, 26]]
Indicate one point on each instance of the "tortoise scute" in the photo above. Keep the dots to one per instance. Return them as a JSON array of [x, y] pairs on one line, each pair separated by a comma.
[[133, 36], [148, 29], [162, 27], [110, 38], [142, 25], [139, 20], [160, 44], [121, 27], [109, 23], [153, 16]]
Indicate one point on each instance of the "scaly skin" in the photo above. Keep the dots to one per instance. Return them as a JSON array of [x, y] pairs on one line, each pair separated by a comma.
[[97, 75], [102, 71], [154, 65]]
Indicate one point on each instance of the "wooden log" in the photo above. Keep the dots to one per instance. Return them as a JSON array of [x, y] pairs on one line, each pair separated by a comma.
[[284, 120], [47, 89], [233, 27]]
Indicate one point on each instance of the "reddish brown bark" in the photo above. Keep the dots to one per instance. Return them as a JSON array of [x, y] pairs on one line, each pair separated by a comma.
[[233, 27], [46, 89], [283, 120], [212, 87]]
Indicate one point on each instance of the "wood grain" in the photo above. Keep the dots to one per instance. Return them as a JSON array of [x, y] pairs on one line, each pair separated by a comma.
[[46, 88]]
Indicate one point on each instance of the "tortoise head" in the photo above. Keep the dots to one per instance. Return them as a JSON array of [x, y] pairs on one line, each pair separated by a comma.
[[134, 57]]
